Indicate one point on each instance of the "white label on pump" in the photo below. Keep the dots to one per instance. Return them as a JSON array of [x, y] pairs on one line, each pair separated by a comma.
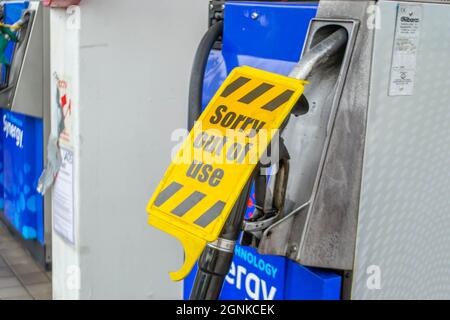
[[63, 198], [406, 43]]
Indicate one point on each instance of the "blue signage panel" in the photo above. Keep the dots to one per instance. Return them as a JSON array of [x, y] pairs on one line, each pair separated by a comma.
[[22, 164], [2, 201], [254, 277], [304, 283]]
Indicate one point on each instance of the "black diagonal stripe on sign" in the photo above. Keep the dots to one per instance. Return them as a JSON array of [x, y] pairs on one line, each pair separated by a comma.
[[279, 101], [167, 193], [235, 85], [210, 215], [187, 204], [256, 93]]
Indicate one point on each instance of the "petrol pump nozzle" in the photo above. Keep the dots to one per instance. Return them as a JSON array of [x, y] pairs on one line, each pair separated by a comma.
[[216, 258], [264, 217], [320, 54]]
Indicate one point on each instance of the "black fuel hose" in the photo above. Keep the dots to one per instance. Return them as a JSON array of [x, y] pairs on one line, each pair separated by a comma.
[[198, 71]]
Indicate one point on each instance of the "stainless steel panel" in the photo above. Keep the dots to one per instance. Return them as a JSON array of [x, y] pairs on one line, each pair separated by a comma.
[[306, 138], [329, 238], [323, 234], [404, 218]]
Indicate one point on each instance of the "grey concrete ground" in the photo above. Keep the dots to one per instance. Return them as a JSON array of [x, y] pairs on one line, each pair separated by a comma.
[[20, 277]]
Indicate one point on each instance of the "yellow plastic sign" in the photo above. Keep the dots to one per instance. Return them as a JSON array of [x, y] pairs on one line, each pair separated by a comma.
[[204, 181]]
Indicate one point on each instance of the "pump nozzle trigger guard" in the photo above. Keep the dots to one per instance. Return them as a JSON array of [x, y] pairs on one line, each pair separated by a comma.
[[193, 247]]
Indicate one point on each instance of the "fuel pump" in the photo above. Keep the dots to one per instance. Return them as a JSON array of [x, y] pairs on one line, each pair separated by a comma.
[[337, 199], [233, 228], [215, 261], [25, 125]]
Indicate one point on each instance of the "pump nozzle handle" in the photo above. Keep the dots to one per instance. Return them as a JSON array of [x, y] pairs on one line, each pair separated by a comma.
[[319, 54]]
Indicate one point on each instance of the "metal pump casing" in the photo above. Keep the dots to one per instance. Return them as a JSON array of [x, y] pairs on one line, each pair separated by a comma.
[[379, 206]]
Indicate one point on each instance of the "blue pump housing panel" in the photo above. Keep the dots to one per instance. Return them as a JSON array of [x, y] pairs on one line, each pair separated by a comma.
[[2, 171], [268, 36], [23, 163], [272, 42]]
